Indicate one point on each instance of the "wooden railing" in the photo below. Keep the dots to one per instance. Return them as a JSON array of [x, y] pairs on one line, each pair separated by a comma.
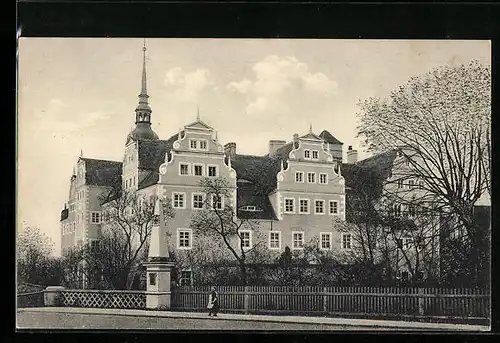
[[429, 302]]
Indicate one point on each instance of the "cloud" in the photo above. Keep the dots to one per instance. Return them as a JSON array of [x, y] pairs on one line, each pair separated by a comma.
[[281, 80], [188, 85], [242, 87], [59, 117]]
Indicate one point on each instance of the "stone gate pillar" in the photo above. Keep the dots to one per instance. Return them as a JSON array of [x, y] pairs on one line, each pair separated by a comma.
[[159, 266]]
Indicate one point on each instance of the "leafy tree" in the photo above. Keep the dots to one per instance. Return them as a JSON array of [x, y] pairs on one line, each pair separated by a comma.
[[439, 123], [35, 263]]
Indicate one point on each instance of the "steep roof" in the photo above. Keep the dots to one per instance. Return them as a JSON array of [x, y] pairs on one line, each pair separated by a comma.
[[151, 156], [247, 194], [102, 172], [329, 138], [382, 162], [260, 170]]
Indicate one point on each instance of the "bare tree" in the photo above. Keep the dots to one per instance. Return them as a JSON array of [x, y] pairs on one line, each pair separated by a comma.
[[220, 223], [439, 123], [127, 224]]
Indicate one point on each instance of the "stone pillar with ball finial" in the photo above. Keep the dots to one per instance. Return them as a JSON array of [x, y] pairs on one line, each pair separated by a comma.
[[158, 266]]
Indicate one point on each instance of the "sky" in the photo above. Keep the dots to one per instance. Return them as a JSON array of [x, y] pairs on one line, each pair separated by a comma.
[[79, 94]]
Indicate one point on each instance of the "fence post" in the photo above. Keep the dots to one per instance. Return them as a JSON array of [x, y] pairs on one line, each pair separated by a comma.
[[325, 298], [246, 299], [420, 302]]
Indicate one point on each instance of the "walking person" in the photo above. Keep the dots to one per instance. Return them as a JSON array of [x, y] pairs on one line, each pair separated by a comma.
[[213, 303]]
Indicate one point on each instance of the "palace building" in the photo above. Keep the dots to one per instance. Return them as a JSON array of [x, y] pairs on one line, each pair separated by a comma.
[[294, 192]]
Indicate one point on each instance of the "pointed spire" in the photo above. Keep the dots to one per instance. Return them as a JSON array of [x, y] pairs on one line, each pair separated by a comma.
[[179, 135], [229, 161], [81, 152], [143, 83], [143, 111], [216, 136], [197, 113], [310, 128]]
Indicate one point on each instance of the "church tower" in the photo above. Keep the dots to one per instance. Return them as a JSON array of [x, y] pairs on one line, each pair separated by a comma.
[[142, 130]]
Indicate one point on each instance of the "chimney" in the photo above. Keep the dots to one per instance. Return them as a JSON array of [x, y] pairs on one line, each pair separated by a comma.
[[230, 149], [295, 140], [352, 155], [274, 145]]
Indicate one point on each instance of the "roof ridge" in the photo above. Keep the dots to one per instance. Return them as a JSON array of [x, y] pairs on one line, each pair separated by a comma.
[[99, 159]]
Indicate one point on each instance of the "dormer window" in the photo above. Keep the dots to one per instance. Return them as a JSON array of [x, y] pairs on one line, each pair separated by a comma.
[[307, 154], [250, 208], [315, 154]]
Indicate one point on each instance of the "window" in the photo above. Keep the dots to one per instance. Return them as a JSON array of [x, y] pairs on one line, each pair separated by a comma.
[[411, 210], [289, 205], [95, 217], [334, 207], [152, 279], [408, 243], [397, 210], [421, 184], [399, 243], [198, 144], [184, 238], [346, 241], [299, 176], [319, 207], [400, 183], [274, 240], [326, 240], [307, 154], [311, 177], [184, 169], [94, 244], [315, 154], [178, 200], [246, 239], [298, 240], [323, 178], [198, 170], [212, 171], [410, 184], [304, 205], [186, 278], [198, 201], [217, 202]]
